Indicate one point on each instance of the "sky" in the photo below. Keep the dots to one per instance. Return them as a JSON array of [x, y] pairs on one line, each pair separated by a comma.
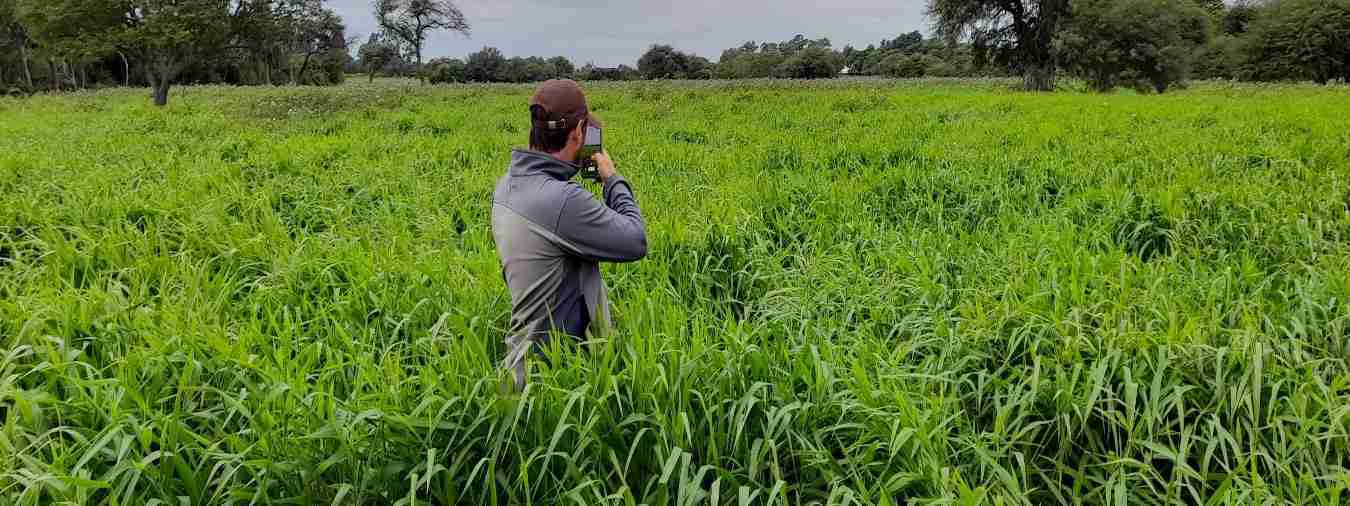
[[610, 33]]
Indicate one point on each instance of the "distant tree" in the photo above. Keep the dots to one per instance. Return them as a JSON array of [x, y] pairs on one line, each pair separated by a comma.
[[797, 57], [172, 34], [938, 67], [698, 67], [587, 72], [871, 63], [1214, 8], [445, 70], [562, 67], [754, 64], [410, 21], [907, 42], [898, 64], [316, 31], [377, 55], [1293, 39], [1134, 41], [812, 63], [526, 70], [1237, 17], [14, 35], [485, 66], [71, 32], [857, 59], [626, 73], [166, 35], [1221, 58], [662, 62], [1018, 34]]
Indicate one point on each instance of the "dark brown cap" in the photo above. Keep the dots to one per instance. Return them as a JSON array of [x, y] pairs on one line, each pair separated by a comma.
[[561, 105]]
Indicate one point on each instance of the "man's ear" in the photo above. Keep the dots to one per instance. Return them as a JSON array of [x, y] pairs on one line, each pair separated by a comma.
[[578, 134]]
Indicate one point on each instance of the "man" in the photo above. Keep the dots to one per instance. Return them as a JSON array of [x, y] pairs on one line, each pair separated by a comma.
[[551, 233]]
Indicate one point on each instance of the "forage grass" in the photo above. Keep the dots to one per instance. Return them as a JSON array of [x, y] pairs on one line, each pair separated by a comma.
[[867, 292]]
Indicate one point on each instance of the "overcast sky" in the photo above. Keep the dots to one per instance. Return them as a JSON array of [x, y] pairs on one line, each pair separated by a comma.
[[609, 33]]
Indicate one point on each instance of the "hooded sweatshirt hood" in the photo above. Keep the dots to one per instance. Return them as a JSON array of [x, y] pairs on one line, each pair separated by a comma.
[[525, 162]]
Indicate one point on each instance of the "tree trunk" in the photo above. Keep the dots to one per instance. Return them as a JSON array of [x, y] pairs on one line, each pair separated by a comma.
[[371, 73], [162, 91], [126, 70], [27, 73], [303, 68], [161, 70], [1039, 77], [420, 76], [52, 83]]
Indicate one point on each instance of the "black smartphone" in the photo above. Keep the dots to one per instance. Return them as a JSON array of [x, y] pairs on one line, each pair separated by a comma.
[[591, 146]]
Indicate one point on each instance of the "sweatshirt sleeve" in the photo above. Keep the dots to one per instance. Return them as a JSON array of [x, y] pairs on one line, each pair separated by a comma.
[[608, 232]]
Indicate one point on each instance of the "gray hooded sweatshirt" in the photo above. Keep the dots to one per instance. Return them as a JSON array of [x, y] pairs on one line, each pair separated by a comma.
[[551, 235]]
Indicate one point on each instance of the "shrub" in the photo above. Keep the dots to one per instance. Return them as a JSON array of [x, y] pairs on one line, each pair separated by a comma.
[[814, 63], [903, 65], [445, 70]]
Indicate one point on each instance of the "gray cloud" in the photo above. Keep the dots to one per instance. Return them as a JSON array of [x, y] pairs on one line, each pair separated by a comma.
[[610, 33]]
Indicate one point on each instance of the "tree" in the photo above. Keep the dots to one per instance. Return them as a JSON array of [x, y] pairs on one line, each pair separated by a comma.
[[1213, 8], [410, 21], [485, 66], [1018, 34], [1222, 58], [626, 73], [812, 63], [525, 70], [907, 42], [750, 64], [902, 65], [170, 35], [1300, 39], [1237, 17], [14, 34], [315, 31], [377, 54], [798, 57], [1153, 42], [268, 37], [167, 35], [561, 67], [71, 32], [445, 70], [662, 62]]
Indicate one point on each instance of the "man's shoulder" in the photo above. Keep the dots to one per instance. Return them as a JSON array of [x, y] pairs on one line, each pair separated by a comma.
[[541, 200]]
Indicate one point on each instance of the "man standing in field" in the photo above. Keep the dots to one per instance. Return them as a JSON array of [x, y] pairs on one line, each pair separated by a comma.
[[551, 233]]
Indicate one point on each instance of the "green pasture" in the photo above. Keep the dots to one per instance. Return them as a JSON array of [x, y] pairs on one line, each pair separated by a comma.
[[859, 292]]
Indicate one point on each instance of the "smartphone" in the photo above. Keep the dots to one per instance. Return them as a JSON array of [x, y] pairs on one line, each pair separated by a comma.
[[591, 146]]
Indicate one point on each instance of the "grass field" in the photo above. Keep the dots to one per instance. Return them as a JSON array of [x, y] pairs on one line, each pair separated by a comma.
[[858, 293]]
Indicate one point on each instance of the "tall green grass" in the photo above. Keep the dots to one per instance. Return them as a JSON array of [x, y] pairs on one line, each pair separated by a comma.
[[871, 293]]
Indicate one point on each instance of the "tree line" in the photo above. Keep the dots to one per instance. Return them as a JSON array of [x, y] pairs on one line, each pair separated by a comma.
[[909, 55], [73, 44], [1149, 45], [1152, 44], [1146, 44]]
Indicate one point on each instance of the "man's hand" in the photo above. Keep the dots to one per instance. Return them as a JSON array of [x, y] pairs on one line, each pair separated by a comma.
[[604, 166]]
